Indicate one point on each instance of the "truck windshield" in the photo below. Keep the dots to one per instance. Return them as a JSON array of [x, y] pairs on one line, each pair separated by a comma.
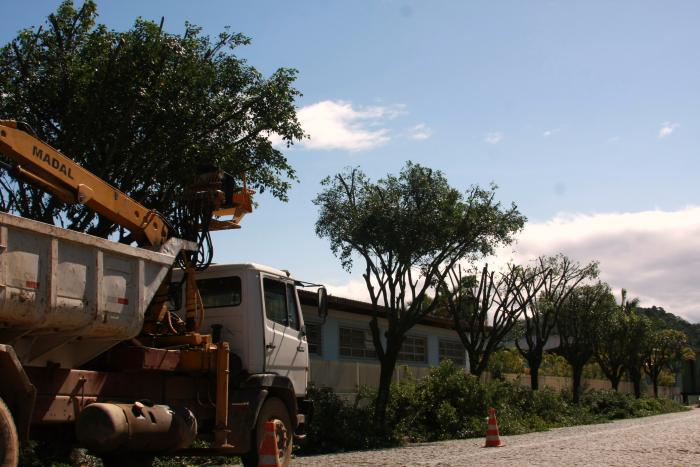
[[220, 291]]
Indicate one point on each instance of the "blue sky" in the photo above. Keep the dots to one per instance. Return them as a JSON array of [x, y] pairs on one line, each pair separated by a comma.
[[585, 114]]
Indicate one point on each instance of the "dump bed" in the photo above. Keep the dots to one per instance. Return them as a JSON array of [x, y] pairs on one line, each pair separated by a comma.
[[66, 297]]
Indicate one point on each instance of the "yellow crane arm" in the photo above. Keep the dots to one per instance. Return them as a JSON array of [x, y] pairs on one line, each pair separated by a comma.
[[48, 168], [40, 163]]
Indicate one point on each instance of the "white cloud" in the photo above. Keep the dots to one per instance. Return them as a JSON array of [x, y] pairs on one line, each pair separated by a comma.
[[275, 139], [339, 125], [493, 137], [667, 128], [354, 288], [420, 132], [655, 255], [548, 133]]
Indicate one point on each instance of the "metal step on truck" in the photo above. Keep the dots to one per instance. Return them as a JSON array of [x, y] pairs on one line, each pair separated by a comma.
[[129, 351]]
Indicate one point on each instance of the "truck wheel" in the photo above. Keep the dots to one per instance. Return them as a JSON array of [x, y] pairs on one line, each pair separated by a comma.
[[273, 410], [9, 442]]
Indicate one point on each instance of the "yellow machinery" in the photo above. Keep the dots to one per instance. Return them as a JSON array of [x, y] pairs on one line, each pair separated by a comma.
[[42, 165]]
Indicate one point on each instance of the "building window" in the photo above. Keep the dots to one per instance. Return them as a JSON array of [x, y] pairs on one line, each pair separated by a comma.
[[314, 337], [413, 350], [356, 343], [452, 350]]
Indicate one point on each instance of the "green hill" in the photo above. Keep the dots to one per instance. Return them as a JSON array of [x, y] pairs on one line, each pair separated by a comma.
[[692, 330]]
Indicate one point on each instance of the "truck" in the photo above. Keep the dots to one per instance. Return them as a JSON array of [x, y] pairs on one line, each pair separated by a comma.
[[129, 350]]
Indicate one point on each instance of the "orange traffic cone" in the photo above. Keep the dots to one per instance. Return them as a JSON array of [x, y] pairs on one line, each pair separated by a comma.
[[492, 438], [268, 456]]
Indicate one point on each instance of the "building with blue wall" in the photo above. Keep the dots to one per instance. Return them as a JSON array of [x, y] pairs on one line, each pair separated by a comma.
[[342, 352]]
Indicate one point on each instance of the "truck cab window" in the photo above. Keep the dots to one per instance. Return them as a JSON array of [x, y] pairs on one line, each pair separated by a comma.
[[292, 307], [275, 300], [220, 291], [281, 303]]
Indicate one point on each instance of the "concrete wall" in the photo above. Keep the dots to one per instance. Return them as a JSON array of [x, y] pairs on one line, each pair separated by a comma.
[[559, 383], [344, 377]]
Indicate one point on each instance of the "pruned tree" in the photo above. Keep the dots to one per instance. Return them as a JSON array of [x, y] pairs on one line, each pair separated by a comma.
[[486, 309], [666, 347], [561, 275], [580, 323], [143, 109], [408, 231]]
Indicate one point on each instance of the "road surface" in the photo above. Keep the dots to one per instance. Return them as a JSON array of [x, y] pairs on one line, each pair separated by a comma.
[[662, 440]]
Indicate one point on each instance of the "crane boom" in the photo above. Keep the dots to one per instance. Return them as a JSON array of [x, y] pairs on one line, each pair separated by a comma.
[[73, 184], [48, 168]]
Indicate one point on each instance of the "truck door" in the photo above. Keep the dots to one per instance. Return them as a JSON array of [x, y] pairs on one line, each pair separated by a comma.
[[286, 350]]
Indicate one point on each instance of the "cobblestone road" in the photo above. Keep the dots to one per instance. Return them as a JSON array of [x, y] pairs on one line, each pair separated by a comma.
[[663, 440]]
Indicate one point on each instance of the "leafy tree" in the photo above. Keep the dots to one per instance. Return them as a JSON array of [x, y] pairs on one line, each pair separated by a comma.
[[579, 326], [143, 109], [561, 276], [665, 347], [686, 354], [637, 340], [554, 364], [610, 351], [667, 378], [506, 361], [592, 371], [409, 231], [671, 321], [486, 310]]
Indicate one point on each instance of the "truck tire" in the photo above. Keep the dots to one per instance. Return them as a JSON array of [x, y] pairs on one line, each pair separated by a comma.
[[273, 409], [9, 442]]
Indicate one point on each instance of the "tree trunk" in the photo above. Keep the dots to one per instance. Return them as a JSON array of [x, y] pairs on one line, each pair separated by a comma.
[[534, 374], [576, 387], [655, 383], [613, 376], [386, 373], [636, 377], [476, 366], [615, 382]]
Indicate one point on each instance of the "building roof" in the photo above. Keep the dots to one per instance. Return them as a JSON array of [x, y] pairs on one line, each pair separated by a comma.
[[359, 307]]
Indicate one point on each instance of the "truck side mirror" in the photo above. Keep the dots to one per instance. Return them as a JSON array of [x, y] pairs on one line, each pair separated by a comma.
[[323, 303]]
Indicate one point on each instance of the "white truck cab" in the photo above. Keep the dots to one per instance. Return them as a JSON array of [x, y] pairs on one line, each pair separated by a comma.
[[257, 310]]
